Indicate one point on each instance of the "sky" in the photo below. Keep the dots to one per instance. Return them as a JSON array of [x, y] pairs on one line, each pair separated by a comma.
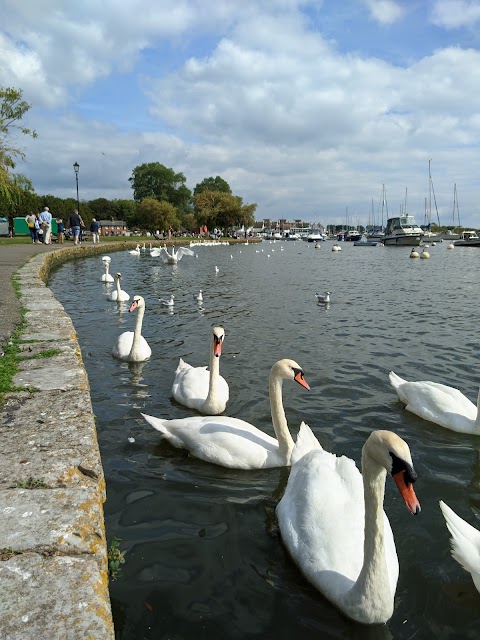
[[306, 108]]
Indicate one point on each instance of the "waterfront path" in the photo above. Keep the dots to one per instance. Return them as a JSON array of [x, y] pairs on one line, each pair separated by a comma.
[[53, 550]]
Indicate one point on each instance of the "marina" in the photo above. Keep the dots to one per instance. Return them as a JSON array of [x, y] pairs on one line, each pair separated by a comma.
[[202, 542]]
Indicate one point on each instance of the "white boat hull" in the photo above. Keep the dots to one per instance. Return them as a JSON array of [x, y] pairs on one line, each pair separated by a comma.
[[405, 240]]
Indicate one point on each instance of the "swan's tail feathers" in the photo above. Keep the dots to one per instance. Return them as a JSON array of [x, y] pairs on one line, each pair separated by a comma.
[[465, 540], [182, 366], [161, 425], [306, 441], [395, 380]]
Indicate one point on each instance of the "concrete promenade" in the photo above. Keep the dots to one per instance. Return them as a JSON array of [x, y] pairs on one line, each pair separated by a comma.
[[53, 551]]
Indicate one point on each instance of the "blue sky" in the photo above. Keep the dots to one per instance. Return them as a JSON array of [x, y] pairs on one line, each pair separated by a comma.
[[305, 108]]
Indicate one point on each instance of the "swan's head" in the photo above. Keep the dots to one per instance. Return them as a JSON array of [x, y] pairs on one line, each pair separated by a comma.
[[393, 453], [289, 370], [217, 339], [138, 302], [106, 259], [118, 276]]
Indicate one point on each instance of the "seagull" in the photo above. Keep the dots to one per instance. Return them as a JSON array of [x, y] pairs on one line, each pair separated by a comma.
[[198, 296], [169, 302], [323, 299], [216, 269]]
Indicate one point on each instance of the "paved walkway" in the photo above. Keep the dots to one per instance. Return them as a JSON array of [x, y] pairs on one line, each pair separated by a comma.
[[11, 258]]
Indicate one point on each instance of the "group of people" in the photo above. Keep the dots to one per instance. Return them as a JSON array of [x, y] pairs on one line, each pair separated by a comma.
[[40, 227]]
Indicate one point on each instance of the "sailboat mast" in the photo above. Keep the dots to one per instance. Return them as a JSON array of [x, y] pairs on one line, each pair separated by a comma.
[[427, 222]]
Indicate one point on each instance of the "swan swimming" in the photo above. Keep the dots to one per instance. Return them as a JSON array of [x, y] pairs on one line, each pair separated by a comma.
[[106, 277], [233, 443], [201, 389], [119, 295], [131, 346], [465, 543], [175, 256], [439, 403], [135, 252], [332, 521], [198, 296]]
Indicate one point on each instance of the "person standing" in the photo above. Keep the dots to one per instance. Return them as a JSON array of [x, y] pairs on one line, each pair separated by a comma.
[[46, 222], [61, 230], [94, 229], [75, 222], [31, 219]]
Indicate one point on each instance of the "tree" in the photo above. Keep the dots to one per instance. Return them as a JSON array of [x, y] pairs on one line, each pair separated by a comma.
[[223, 210], [212, 184], [12, 110], [154, 180], [154, 215]]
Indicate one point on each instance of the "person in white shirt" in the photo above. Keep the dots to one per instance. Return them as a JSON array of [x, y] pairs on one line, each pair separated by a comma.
[[45, 220]]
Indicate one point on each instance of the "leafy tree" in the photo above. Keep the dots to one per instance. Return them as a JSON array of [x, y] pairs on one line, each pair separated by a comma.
[[127, 210], [154, 215], [12, 110], [212, 184], [103, 209], [223, 210], [154, 180]]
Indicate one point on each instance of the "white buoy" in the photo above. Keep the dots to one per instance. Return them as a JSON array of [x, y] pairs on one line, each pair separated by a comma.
[[413, 253], [451, 246], [424, 254]]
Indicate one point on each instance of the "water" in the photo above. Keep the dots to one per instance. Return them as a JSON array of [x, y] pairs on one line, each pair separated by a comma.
[[204, 557]]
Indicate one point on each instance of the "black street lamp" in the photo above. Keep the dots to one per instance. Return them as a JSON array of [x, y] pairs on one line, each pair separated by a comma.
[[76, 167]]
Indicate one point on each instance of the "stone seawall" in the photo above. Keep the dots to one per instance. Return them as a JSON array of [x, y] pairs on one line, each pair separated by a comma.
[[53, 551]]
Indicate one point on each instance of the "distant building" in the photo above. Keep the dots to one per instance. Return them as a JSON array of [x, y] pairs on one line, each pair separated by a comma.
[[112, 227]]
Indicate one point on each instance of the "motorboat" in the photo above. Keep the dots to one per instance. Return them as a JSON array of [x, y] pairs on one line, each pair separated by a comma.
[[352, 235], [450, 235], [290, 235], [403, 231], [314, 237], [468, 239], [365, 242]]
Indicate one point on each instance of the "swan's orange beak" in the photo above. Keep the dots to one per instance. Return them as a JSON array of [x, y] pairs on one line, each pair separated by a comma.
[[299, 377], [133, 306], [407, 492], [217, 346]]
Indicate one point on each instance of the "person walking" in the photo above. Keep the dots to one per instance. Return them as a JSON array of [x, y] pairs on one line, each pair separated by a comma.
[[61, 230], [46, 223], [75, 223], [39, 228], [31, 219], [94, 229]]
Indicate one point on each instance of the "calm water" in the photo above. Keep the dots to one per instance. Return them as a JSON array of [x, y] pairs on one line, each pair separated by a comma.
[[204, 556]]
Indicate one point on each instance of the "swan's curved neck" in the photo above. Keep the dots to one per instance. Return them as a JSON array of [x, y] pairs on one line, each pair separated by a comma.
[[279, 420], [137, 332], [371, 592], [211, 400], [118, 286]]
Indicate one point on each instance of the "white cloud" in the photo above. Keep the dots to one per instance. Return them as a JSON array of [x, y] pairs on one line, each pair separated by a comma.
[[453, 14], [385, 11]]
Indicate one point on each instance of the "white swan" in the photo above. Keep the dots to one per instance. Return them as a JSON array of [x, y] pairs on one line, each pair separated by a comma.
[[323, 298], [197, 388], [119, 295], [131, 346], [216, 269], [155, 253], [175, 256], [198, 296], [135, 252], [465, 543], [234, 443], [168, 302], [106, 277], [439, 403], [334, 527]]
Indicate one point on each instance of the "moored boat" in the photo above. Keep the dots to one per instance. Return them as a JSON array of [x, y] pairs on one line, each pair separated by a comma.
[[468, 239], [402, 231]]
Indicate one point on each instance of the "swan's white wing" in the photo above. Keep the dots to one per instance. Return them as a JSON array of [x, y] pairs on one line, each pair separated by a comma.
[[121, 349], [190, 386], [465, 542], [228, 442], [437, 403], [184, 251], [164, 255]]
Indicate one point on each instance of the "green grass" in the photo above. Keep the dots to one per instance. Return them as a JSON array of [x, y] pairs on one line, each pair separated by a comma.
[[9, 361], [115, 558], [48, 353], [30, 483], [6, 553]]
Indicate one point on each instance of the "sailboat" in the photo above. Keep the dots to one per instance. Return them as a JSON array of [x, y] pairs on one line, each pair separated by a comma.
[[376, 233], [430, 235], [450, 234]]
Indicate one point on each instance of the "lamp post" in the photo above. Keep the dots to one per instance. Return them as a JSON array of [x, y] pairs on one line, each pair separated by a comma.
[[76, 167]]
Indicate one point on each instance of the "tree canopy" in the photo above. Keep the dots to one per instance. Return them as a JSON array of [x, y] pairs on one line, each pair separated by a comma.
[[222, 210], [156, 216], [154, 180], [212, 184]]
